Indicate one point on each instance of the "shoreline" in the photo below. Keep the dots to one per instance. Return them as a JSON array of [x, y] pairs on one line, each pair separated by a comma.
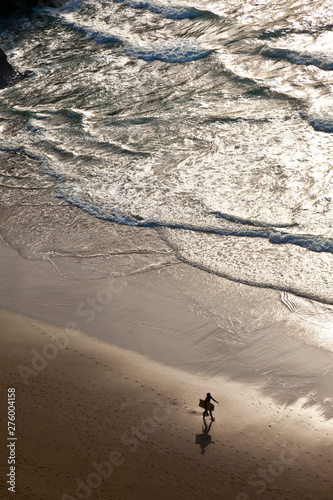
[[98, 393], [184, 318], [165, 233]]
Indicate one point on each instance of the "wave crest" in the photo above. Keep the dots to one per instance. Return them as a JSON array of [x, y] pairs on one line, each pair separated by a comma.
[[322, 61]]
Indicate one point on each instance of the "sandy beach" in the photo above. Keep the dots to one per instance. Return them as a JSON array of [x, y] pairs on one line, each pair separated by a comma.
[[95, 420], [94, 404], [166, 233]]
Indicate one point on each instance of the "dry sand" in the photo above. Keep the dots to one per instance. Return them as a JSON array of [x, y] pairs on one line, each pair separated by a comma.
[[93, 403]]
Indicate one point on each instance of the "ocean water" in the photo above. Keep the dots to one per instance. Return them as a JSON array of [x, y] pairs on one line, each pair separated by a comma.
[[209, 121]]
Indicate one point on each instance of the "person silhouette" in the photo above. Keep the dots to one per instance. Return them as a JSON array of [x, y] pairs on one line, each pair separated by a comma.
[[207, 400]]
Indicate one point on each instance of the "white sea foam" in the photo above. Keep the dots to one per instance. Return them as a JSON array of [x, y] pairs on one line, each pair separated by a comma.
[[222, 155], [169, 11], [173, 51]]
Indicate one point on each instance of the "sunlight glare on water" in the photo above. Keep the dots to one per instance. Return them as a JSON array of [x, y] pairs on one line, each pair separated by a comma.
[[210, 121]]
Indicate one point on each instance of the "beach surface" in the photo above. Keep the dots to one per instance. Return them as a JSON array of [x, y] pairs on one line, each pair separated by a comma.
[[101, 422], [116, 415], [165, 232]]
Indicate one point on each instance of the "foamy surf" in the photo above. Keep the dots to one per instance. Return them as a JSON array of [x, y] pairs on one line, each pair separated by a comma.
[[162, 115]]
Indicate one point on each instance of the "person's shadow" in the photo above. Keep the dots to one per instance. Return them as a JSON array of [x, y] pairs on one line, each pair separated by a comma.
[[204, 439]]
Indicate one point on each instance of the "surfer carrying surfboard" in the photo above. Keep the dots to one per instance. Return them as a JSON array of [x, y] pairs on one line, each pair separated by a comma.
[[209, 406]]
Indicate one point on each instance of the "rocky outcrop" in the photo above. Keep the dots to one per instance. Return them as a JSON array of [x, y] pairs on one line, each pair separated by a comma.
[[7, 72], [52, 3], [9, 6], [8, 75]]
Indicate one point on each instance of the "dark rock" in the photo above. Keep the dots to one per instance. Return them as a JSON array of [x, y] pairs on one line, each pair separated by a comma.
[[7, 72], [9, 6], [8, 75]]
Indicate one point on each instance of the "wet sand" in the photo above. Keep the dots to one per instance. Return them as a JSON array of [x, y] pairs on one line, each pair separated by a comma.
[[112, 411]]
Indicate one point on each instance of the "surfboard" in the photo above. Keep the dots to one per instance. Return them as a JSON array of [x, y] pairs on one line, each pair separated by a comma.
[[210, 406]]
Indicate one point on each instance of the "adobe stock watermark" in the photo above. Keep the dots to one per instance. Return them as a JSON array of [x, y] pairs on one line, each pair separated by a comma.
[[267, 475], [131, 439], [88, 309]]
